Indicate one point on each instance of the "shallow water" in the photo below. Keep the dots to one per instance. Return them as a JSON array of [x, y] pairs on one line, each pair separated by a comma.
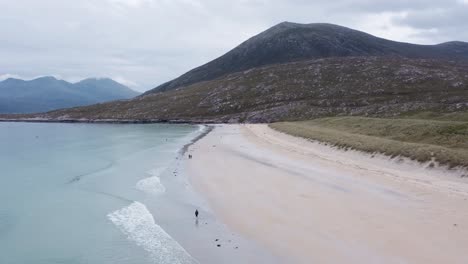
[[59, 184]]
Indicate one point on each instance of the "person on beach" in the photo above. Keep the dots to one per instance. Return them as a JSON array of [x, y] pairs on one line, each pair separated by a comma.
[[196, 213], [189, 156]]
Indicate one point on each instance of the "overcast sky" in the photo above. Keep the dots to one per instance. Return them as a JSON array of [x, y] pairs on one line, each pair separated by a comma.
[[143, 43]]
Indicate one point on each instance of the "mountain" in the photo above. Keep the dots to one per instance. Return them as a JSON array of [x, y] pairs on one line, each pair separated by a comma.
[[48, 93], [370, 86], [297, 72], [105, 89], [289, 42]]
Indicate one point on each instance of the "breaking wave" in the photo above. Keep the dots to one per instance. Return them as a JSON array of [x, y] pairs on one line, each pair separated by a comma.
[[138, 224], [152, 184]]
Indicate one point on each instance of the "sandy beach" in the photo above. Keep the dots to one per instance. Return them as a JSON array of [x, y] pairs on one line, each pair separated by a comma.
[[311, 203]]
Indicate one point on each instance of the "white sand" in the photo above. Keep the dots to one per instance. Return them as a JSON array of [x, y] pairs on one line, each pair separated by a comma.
[[315, 204]]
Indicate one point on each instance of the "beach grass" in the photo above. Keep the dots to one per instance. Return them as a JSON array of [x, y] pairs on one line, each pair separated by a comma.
[[442, 140], [440, 116]]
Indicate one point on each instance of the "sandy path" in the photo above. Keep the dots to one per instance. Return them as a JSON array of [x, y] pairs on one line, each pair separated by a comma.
[[313, 204]]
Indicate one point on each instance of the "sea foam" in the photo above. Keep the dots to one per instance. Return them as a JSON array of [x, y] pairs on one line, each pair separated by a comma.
[[138, 224], [152, 184]]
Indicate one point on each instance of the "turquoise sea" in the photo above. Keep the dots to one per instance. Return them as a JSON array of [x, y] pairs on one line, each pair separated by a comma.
[[75, 193]]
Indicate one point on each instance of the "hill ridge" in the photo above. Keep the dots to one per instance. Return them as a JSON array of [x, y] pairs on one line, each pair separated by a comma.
[[289, 42], [368, 86], [49, 93]]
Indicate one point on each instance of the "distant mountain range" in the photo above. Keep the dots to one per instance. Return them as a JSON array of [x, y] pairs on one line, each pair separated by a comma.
[[301, 71], [48, 93], [289, 42]]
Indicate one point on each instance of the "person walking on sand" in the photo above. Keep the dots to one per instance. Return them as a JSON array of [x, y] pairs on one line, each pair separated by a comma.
[[196, 213]]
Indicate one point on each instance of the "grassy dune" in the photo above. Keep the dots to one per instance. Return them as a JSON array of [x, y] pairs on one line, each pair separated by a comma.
[[419, 139], [453, 116]]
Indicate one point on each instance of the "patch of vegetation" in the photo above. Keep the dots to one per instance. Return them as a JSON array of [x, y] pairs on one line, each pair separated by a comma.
[[419, 139], [453, 116]]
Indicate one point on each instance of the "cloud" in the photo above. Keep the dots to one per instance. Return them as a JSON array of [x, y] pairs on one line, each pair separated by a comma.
[[8, 75], [148, 42], [124, 81], [439, 24], [132, 3]]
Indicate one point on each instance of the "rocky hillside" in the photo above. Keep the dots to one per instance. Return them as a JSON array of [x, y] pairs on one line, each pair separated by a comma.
[[373, 86], [48, 93], [290, 42]]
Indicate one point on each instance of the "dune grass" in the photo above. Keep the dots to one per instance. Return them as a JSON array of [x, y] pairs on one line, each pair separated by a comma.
[[441, 116], [419, 139]]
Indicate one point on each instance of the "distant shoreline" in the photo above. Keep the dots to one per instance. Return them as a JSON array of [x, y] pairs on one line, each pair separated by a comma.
[[110, 121]]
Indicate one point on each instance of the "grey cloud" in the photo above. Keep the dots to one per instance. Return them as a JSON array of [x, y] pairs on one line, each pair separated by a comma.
[[148, 42], [445, 23]]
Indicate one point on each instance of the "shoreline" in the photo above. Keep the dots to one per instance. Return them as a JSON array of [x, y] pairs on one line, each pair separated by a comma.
[[315, 203], [461, 171], [207, 129], [109, 121], [207, 239]]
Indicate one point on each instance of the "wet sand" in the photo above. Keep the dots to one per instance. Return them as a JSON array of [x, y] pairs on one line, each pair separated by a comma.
[[171, 200], [310, 203]]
